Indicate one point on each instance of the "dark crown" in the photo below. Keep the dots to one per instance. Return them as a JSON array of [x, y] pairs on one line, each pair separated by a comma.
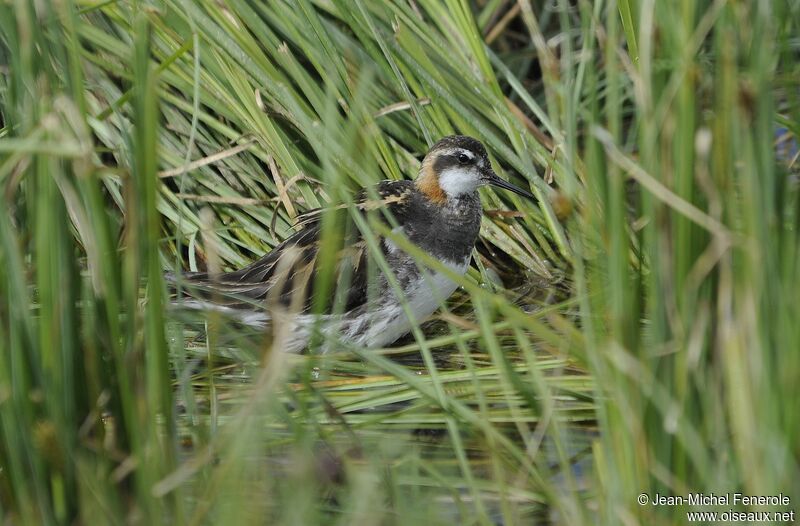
[[460, 141]]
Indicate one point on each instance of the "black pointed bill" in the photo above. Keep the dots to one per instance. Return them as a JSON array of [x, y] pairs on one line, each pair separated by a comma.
[[493, 179]]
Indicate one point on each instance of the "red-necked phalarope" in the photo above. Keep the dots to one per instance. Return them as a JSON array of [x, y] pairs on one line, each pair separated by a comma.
[[440, 212]]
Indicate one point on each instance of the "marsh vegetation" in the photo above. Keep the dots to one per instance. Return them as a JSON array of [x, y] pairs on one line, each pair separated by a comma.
[[633, 330]]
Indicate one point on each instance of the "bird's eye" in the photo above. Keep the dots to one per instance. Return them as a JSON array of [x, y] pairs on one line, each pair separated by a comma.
[[463, 158]]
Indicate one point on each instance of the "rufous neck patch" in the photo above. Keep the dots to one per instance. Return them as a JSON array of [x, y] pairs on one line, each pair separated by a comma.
[[428, 183]]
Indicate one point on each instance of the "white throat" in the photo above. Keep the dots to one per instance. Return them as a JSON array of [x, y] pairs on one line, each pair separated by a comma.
[[456, 181]]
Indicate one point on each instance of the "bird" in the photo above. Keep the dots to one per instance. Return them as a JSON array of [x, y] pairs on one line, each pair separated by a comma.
[[439, 212]]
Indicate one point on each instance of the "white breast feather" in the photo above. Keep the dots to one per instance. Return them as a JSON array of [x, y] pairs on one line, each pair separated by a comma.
[[383, 325], [424, 297]]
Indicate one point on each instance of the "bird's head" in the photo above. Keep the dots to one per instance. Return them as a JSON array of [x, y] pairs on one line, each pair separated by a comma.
[[458, 165]]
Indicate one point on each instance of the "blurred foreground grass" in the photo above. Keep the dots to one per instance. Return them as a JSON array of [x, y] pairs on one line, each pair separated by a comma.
[[646, 339]]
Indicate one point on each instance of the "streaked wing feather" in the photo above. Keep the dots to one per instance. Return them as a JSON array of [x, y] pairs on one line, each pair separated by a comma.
[[292, 264]]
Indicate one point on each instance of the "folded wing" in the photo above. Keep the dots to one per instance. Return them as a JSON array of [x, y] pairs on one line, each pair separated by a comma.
[[290, 274]]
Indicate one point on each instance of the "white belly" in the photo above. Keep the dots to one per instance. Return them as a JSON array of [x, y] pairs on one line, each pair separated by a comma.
[[377, 328], [389, 323]]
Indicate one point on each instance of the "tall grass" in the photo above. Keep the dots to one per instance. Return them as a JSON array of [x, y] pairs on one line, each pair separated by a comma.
[[632, 331]]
